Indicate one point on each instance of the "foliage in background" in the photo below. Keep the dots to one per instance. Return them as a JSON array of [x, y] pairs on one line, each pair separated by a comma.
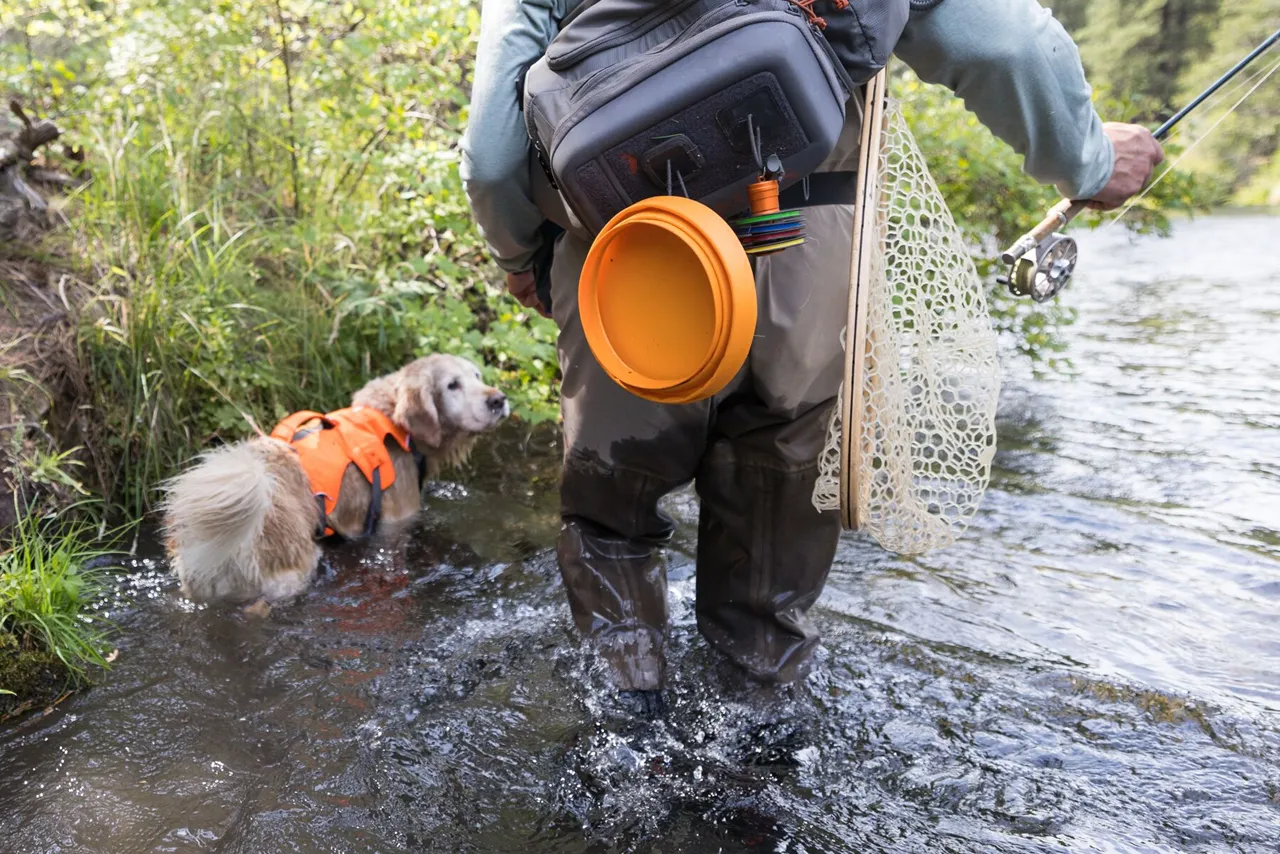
[[1244, 152], [1158, 54], [275, 213], [1143, 47]]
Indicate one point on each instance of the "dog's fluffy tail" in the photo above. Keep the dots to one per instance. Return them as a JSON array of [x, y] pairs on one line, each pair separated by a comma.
[[220, 514]]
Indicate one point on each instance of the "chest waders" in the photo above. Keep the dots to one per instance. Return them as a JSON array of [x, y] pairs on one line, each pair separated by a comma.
[[687, 149], [674, 134]]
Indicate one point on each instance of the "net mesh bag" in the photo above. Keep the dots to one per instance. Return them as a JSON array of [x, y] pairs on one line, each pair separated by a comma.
[[930, 379]]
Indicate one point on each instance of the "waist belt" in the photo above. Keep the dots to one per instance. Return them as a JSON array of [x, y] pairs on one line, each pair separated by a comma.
[[824, 188]]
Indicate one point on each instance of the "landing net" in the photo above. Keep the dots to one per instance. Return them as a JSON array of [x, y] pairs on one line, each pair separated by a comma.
[[923, 379]]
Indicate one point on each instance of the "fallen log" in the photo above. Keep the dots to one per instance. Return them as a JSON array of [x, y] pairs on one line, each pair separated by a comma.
[[20, 204], [20, 148]]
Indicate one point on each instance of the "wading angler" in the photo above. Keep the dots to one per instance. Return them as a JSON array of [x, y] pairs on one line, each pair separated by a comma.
[[620, 152]]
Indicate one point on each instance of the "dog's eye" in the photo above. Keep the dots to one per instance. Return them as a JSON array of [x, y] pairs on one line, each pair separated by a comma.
[[455, 385]]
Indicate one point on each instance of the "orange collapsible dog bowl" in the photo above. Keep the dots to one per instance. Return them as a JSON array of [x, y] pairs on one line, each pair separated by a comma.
[[667, 299]]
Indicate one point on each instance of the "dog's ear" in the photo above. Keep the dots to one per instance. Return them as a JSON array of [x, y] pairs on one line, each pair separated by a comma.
[[416, 408]]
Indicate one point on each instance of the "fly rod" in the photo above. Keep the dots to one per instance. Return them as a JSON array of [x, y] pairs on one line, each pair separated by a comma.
[[1041, 261]]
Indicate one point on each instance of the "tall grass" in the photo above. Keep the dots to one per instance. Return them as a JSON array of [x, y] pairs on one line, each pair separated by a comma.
[[46, 590], [275, 216], [214, 311], [196, 319]]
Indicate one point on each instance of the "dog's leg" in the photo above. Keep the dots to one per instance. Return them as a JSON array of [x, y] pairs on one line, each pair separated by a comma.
[[259, 608], [402, 502]]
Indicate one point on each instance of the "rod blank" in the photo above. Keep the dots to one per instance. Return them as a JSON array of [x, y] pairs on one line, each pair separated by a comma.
[[1163, 130]]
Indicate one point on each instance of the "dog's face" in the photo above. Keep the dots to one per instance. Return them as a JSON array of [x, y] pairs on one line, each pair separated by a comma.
[[442, 398], [463, 400]]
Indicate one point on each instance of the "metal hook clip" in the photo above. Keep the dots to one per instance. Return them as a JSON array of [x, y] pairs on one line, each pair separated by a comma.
[[757, 141], [679, 176]]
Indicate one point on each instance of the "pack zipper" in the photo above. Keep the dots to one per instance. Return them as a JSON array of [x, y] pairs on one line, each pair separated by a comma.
[[544, 159], [616, 37], [685, 43]]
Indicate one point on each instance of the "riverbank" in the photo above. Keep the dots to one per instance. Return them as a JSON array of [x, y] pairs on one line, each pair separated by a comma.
[[28, 678], [53, 637]]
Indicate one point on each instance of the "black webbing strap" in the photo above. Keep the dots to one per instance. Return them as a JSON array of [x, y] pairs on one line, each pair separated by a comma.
[[375, 505], [321, 522], [421, 460], [820, 188], [824, 188]]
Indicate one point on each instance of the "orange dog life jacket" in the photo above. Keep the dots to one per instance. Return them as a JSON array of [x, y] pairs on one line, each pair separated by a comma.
[[327, 444]]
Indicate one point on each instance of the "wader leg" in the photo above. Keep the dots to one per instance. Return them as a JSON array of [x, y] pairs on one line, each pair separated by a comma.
[[763, 550], [622, 455]]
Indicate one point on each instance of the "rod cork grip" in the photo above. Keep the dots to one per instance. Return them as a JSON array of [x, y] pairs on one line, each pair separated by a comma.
[[1059, 215]]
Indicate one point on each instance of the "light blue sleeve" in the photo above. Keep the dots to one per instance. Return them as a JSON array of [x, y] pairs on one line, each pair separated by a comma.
[[1016, 68], [495, 146]]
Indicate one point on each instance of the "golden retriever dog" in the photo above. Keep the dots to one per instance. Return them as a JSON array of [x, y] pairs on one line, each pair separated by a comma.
[[243, 523]]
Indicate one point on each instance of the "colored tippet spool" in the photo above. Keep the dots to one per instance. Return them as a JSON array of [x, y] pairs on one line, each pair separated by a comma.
[[667, 300]]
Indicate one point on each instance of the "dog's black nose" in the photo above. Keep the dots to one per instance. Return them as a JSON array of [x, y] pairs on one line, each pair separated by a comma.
[[497, 402]]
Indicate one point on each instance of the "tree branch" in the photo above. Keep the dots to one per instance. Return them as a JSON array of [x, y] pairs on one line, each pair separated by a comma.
[[288, 91], [22, 147]]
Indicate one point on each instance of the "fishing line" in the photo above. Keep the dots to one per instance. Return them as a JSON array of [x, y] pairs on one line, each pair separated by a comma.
[[1219, 97], [1138, 198]]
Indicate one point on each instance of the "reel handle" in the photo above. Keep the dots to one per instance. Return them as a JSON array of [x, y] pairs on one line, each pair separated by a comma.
[[1059, 215]]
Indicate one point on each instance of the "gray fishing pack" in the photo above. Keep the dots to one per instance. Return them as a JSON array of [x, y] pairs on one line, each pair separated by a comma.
[[637, 98]]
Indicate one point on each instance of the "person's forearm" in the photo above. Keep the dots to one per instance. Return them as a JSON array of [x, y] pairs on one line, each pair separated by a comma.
[[495, 147], [1019, 72]]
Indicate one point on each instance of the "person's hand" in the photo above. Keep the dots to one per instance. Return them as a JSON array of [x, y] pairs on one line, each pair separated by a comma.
[[523, 286], [1137, 152]]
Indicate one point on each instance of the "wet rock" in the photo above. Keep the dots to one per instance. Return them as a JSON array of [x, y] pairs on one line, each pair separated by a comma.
[[34, 677]]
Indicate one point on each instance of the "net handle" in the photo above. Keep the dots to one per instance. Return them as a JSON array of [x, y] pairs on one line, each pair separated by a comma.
[[865, 208]]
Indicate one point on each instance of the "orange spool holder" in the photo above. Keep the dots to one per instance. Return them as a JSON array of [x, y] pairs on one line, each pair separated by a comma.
[[763, 196]]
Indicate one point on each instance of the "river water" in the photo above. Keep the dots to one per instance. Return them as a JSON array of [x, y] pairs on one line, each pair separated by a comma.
[[1095, 667]]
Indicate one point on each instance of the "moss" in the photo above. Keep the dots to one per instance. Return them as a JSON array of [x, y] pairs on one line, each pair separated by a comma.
[[1159, 707], [34, 676]]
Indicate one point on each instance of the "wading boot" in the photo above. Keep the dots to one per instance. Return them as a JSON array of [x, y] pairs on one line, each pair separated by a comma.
[[617, 590]]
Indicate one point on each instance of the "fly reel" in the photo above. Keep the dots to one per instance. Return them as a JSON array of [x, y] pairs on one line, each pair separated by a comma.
[[1045, 270]]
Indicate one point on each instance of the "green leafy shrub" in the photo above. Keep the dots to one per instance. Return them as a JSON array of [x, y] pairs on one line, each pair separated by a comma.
[[46, 594], [275, 214]]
